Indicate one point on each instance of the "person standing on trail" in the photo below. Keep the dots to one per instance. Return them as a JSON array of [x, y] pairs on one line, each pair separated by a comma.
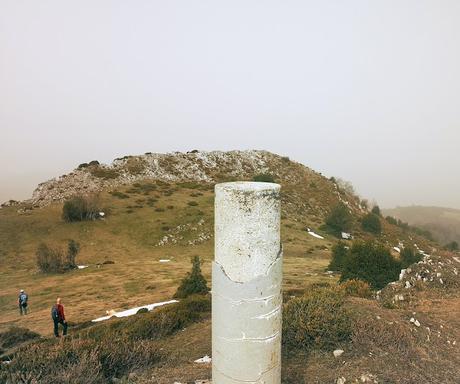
[[22, 302], [58, 316]]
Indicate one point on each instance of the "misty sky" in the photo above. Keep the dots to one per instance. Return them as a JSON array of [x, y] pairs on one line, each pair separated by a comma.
[[365, 90]]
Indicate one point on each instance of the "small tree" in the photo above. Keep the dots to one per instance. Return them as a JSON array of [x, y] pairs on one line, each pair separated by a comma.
[[340, 219], [370, 262], [371, 223], [72, 250], [339, 252], [409, 256], [194, 282]]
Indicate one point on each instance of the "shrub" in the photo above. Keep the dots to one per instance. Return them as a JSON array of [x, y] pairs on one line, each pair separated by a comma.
[[376, 210], [339, 251], [357, 288], [83, 165], [317, 319], [264, 177], [452, 246], [371, 223], [409, 256], [192, 203], [94, 163], [391, 220], [372, 263], [340, 219], [80, 208], [53, 260], [119, 194], [49, 260], [72, 250], [194, 282]]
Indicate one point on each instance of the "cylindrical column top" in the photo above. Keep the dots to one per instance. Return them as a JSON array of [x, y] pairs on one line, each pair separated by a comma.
[[247, 228]]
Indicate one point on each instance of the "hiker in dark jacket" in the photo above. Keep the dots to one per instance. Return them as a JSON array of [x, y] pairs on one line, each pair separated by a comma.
[[22, 302], [58, 316]]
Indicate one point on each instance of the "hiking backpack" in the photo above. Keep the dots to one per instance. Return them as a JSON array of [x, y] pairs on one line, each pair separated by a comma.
[[55, 313], [23, 298]]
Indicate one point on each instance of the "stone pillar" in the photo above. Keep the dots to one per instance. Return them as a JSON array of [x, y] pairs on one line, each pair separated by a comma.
[[246, 284]]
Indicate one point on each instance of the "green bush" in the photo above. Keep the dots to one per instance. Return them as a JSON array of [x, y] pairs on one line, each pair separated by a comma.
[[409, 256], [339, 252], [372, 263], [339, 219], [194, 282], [264, 177], [317, 319], [371, 223], [391, 220], [376, 210], [452, 246], [80, 208]]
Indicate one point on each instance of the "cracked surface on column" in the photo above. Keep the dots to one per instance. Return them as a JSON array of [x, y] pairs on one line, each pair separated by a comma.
[[246, 284]]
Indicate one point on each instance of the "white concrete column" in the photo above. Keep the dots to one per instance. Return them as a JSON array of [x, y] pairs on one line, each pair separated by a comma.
[[246, 284]]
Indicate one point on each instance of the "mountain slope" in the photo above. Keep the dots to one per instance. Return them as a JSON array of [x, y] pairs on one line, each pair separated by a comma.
[[159, 207], [443, 223]]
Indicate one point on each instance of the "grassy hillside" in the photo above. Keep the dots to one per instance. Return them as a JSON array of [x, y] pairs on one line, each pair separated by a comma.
[[443, 223], [160, 212], [148, 220]]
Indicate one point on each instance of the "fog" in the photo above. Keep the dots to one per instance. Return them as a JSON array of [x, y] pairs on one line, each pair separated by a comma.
[[366, 91]]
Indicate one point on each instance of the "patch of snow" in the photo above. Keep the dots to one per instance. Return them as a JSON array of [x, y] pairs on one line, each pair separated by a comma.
[[204, 360], [346, 236], [456, 259], [397, 249], [133, 311], [338, 352], [311, 233], [164, 260], [401, 275], [82, 266], [101, 214]]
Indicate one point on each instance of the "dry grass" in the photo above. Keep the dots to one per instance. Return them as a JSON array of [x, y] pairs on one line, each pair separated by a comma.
[[129, 240]]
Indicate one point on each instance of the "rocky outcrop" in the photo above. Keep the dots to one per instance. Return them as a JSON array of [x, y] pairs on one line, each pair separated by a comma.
[[174, 167]]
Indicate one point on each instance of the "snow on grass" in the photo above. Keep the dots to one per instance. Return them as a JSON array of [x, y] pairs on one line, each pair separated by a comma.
[[82, 266], [311, 233], [133, 311], [164, 260], [397, 249], [204, 360]]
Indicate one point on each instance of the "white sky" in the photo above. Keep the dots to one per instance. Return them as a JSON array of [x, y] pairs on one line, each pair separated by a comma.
[[364, 90]]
